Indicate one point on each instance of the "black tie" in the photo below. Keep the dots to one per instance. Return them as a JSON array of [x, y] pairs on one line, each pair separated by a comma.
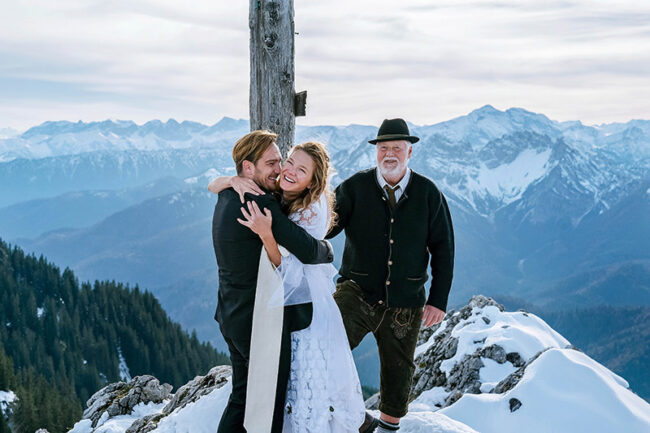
[[391, 195]]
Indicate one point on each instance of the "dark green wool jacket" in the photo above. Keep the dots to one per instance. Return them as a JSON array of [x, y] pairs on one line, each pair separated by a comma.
[[387, 250]]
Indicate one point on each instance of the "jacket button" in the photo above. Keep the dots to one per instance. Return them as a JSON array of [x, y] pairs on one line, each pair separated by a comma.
[[392, 220], [390, 263], [392, 241], [388, 283]]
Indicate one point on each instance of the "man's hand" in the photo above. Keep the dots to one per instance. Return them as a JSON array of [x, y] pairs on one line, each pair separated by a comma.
[[432, 316]]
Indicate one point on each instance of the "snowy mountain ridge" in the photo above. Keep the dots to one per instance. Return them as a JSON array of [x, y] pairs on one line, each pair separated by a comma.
[[485, 160], [481, 370]]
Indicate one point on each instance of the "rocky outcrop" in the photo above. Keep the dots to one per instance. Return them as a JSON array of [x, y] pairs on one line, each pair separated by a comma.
[[120, 398], [188, 393], [464, 376]]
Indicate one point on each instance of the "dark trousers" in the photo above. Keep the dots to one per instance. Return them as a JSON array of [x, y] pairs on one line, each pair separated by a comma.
[[396, 331], [296, 317]]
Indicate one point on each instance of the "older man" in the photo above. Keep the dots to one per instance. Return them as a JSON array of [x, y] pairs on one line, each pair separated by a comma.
[[395, 222]]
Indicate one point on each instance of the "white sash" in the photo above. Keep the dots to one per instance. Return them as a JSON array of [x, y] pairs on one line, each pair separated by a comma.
[[266, 339]]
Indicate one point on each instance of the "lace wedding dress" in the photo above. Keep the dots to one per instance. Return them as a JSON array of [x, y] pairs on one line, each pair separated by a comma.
[[324, 394]]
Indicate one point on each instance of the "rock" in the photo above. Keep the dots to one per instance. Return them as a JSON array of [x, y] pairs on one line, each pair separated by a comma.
[[188, 393], [146, 424], [465, 375], [494, 352], [199, 386], [514, 404], [372, 403], [515, 359], [513, 379], [120, 398]]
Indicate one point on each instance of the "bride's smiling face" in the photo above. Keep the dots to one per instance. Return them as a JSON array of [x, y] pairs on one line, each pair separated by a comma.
[[297, 172]]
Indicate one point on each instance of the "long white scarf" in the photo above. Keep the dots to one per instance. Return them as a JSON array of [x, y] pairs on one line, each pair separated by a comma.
[[266, 339]]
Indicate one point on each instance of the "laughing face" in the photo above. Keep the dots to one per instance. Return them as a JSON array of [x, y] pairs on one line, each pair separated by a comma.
[[392, 159], [297, 171], [267, 168]]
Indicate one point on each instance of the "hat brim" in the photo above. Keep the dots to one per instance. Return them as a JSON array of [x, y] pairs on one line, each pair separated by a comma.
[[392, 137]]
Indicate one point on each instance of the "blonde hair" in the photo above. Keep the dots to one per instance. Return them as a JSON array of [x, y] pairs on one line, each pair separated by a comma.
[[319, 179], [251, 147]]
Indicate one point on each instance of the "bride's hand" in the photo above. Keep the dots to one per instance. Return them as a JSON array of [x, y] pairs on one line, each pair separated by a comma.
[[242, 185], [258, 222]]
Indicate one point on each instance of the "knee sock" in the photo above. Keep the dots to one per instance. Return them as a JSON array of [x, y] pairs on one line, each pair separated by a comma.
[[386, 427]]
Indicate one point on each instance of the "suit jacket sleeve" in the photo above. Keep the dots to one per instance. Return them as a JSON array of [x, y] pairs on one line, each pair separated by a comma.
[[342, 208], [307, 249], [441, 247]]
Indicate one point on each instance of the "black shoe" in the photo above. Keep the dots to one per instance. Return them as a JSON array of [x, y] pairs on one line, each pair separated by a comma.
[[369, 424]]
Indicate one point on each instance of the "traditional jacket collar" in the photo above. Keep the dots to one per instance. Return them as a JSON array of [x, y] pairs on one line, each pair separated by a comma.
[[402, 183]]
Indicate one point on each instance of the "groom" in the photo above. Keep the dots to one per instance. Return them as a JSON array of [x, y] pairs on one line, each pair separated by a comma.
[[238, 250], [395, 221]]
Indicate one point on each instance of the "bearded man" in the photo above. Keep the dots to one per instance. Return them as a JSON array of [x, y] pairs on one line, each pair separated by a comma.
[[395, 221]]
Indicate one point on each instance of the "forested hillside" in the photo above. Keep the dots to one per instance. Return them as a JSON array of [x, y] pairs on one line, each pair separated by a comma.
[[63, 340]]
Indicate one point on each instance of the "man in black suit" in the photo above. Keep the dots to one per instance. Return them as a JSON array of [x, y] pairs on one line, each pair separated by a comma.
[[238, 250]]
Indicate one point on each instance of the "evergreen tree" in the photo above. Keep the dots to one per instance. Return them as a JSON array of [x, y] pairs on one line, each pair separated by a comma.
[[63, 338]]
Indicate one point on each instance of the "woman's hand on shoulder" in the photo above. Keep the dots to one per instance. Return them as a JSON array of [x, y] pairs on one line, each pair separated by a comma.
[[242, 185], [256, 220]]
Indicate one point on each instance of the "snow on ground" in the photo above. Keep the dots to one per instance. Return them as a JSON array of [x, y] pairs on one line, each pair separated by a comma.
[[125, 375], [561, 391], [519, 332], [118, 424], [201, 416], [509, 181], [6, 398], [493, 373], [430, 422]]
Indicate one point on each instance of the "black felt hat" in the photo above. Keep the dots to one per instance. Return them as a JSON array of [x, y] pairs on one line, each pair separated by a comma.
[[394, 129]]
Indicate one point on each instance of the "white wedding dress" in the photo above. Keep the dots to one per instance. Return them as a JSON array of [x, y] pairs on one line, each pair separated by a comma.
[[324, 393]]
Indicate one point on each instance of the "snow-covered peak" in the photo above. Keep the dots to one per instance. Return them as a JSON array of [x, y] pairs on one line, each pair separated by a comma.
[[496, 371], [563, 390], [487, 123]]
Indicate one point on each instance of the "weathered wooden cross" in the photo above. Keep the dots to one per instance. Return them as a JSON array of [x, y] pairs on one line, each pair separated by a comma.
[[274, 104]]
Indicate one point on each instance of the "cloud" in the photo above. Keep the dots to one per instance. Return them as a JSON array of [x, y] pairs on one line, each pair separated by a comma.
[[359, 60]]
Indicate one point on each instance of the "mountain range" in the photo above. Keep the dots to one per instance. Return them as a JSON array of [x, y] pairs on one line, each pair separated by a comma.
[[551, 213]]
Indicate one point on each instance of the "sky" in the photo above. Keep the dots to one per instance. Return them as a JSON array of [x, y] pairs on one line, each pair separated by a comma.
[[360, 60]]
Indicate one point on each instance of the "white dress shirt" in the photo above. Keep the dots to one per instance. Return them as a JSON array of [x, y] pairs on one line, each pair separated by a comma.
[[401, 185]]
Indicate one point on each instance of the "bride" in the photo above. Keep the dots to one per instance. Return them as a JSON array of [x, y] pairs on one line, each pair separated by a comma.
[[323, 394]]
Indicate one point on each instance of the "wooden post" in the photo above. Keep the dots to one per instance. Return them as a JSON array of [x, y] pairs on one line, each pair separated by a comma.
[[272, 93]]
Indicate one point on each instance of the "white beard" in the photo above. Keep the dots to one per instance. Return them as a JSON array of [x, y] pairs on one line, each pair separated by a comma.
[[392, 172]]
